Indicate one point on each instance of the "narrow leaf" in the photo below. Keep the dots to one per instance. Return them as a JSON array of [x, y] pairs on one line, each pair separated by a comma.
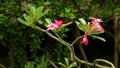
[[78, 24], [62, 65], [22, 21], [32, 9], [26, 17], [82, 21], [63, 25], [40, 22], [97, 37], [67, 61], [48, 20], [39, 13], [46, 11], [72, 65]]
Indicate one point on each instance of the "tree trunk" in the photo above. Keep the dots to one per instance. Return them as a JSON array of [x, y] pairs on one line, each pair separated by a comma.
[[116, 39]]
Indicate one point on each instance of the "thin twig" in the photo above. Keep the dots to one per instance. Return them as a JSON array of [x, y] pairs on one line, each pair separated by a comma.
[[76, 40], [52, 64]]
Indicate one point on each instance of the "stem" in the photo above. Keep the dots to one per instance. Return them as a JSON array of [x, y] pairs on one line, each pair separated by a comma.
[[94, 64], [76, 40], [52, 64], [105, 61], [78, 35]]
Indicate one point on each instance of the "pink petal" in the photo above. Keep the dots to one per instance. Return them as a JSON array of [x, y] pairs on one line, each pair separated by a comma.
[[52, 26], [95, 23], [99, 27], [94, 20], [58, 22], [99, 20], [85, 40]]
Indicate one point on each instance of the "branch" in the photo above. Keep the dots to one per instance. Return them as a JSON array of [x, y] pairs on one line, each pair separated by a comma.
[[94, 64], [52, 64], [54, 37], [105, 61], [76, 40], [71, 48]]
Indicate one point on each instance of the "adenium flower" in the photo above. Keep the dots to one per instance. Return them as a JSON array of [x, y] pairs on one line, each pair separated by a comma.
[[96, 24], [55, 25], [94, 20], [52, 26], [99, 27], [58, 22], [84, 39]]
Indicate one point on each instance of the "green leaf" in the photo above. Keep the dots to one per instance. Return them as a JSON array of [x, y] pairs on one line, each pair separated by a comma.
[[97, 37], [39, 9], [29, 65], [82, 21], [78, 25], [39, 13], [46, 11], [96, 32], [62, 64], [23, 21], [40, 22], [67, 61], [63, 25], [48, 20], [82, 26], [72, 65], [26, 17], [32, 9]]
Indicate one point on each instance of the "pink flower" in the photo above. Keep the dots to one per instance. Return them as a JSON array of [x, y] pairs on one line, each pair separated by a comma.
[[99, 27], [85, 39], [55, 25], [58, 22], [94, 20], [96, 24], [52, 26]]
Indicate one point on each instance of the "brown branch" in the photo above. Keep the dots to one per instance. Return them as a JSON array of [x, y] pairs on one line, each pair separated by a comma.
[[105, 61], [93, 64]]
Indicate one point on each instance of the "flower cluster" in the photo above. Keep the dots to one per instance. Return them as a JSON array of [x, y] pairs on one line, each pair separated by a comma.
[[95, 26], [56, 24]]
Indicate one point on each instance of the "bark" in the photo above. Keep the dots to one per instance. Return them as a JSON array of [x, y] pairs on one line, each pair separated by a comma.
[[116, 45]]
